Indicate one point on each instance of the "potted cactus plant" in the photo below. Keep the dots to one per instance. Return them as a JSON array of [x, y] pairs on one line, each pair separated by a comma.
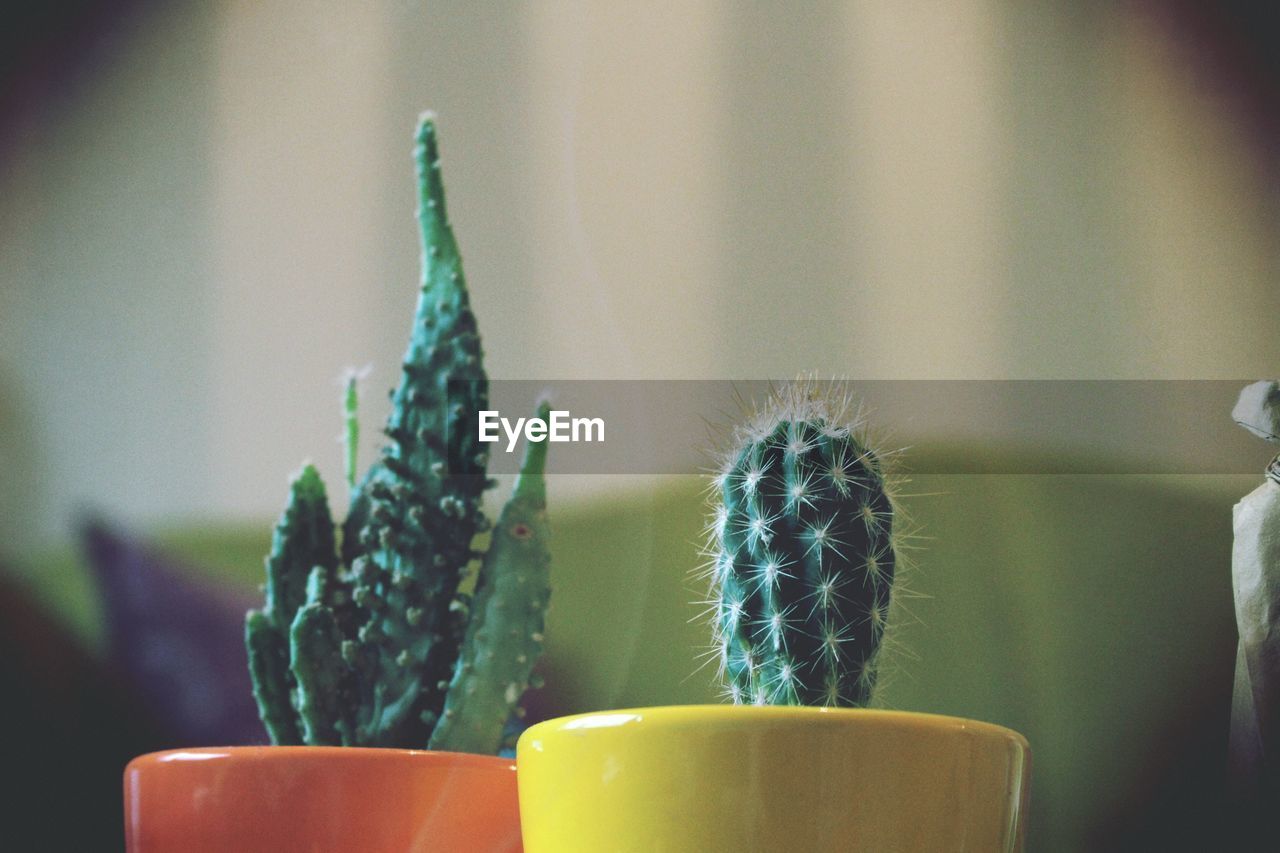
[[804, 547], [385, 689]]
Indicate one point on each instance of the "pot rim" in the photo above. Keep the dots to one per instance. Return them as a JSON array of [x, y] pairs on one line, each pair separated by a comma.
[[737, 715], [216, 755]]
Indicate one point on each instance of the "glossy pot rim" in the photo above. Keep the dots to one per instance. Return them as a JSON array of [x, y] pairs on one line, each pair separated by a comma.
[[215, 756], [738, 716]]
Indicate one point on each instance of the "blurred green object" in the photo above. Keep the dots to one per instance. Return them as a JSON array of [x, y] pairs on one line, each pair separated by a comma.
[[1091, 613]]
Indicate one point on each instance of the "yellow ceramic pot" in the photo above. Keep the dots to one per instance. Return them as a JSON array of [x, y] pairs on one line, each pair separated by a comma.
[[711, 778]]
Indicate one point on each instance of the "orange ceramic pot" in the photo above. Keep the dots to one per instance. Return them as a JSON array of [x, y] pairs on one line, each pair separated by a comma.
[[307, 798]]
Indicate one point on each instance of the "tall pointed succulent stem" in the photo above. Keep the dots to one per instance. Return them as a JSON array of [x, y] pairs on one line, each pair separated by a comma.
[[508, 615], [424, 495]]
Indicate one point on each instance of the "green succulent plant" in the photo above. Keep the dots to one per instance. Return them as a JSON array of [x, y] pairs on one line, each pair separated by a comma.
[[370, 641], [804, 552]]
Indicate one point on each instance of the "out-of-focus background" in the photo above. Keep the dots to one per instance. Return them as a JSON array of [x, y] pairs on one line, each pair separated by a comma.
[[206, 213]]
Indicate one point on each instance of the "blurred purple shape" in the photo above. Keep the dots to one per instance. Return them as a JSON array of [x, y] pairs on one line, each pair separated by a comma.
[[178, 641]]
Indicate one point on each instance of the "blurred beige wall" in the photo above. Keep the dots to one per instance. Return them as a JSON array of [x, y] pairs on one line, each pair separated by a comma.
[[197, 239]]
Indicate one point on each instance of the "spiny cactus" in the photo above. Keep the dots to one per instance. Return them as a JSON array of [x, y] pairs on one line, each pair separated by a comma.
[[376, 645], [802, 553]]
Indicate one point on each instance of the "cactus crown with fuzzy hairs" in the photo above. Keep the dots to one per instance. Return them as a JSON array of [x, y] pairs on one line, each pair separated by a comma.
[[802, 554], [375, 645]]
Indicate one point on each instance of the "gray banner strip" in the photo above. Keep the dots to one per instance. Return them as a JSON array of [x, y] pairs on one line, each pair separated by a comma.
[[941, 426]]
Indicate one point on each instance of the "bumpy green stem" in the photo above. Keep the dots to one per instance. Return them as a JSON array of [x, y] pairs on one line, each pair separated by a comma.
[[272, 681], [508, 615], [303, 540], [322, 677], [804, 559], [424, 510]]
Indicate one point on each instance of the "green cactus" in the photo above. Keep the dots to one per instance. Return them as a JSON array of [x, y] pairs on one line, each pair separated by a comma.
[[377, 646], [803, 555]]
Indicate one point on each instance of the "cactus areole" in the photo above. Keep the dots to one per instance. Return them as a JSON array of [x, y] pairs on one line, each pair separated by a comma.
[[369, 641], [802, 555]]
